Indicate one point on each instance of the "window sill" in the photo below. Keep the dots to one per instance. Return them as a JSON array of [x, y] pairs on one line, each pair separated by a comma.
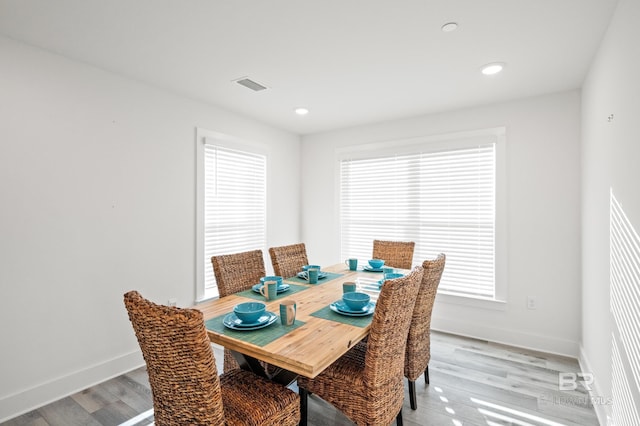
[[474, 302], [209, 293]]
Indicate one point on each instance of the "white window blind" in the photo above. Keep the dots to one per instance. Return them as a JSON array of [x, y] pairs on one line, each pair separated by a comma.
[[234, 204], [443, 199]]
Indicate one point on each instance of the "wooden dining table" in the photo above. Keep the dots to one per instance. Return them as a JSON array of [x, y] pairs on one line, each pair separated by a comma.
[[315, 341]]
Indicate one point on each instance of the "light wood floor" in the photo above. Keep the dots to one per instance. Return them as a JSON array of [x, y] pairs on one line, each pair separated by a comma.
[[473, 382]]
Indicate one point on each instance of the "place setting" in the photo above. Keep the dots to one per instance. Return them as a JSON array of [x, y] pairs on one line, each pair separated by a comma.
[[249, 316], [251, 322], [353, 308], [312, 273], [389, 276], [354, 304], [375, 265], [271, 287], [280, 286]]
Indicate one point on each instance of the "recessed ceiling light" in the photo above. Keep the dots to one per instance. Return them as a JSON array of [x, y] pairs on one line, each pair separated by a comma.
[[492, 68], [449, 26], [301, 111]]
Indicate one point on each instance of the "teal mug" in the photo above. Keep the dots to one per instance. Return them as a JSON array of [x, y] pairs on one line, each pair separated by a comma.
[[312, 273], [348, 287], [288, 312], [269, 290], [352, 264]]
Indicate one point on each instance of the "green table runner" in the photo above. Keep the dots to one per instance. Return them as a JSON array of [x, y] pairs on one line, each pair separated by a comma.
[[293, 289], [327, 313], [259, 337], [330, 276]]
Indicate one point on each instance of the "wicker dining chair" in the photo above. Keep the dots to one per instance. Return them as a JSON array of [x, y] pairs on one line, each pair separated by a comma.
[[184, 381], [287, 261], [238, 272], [367, 386], [418, 351], [234, 273], [397, 254]]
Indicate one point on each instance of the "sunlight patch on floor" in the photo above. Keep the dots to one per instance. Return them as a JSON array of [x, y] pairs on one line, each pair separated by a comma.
[[137, 419], [509, 414]]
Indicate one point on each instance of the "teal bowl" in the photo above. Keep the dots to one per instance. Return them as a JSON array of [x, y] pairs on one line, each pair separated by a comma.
[[376, 263], [356, 300], [249, 312], [307, 267], [272, 278]]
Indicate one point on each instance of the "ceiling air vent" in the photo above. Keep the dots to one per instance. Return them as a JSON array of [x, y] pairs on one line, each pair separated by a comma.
[[250, 84]]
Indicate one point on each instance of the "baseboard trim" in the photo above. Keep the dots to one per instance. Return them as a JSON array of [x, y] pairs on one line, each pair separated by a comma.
[[30, 399], [509, 337]]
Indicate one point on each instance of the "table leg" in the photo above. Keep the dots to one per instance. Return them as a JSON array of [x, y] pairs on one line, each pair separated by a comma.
[[249, 363], [282, 376]]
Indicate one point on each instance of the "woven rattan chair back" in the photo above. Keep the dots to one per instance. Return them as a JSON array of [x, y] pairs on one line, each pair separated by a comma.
[[180, 363], [397, 254], [418, 352], [366, 383], [287, 261], [185, 385], [389, 329], [238, 272], [234, 273]]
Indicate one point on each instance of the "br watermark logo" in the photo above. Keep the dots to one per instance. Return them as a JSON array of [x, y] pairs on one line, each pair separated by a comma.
[[574, 391], [569, 381]]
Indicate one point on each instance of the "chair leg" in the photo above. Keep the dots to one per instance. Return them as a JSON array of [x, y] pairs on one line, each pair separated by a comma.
[[412, 395], [426, 375], [399, 418], [303, 406]]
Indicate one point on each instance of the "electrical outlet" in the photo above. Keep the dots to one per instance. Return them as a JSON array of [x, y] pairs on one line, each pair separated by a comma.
[[172, 302], [532, 302]]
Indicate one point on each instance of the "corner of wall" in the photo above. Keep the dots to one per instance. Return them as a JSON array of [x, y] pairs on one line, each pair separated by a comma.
[[603, 411]]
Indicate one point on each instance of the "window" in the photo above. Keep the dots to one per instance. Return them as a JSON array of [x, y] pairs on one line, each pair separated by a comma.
[[439, 192], [231, 203]]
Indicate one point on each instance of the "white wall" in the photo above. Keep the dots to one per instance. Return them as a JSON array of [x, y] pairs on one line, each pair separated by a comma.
[[97, 189], [611, 150], [543, 214]]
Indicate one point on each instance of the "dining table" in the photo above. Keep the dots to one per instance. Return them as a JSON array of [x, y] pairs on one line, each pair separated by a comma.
[[318, 337]]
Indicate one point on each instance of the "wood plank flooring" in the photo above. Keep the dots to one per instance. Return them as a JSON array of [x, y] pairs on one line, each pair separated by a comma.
[[473, 382]]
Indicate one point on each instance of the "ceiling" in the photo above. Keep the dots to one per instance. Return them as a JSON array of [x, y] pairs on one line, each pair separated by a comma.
[[350, 62]]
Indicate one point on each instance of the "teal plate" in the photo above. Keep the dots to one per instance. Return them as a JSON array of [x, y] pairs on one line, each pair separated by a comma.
[[339, 307], [233, 322], [281, 288], [304, 275]]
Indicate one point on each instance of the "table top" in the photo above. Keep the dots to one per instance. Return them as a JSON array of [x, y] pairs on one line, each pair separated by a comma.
[[312, 346]]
